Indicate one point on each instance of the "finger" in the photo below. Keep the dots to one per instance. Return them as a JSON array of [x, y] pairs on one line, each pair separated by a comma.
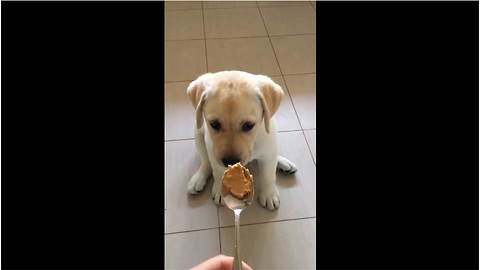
[[245, 266], [217, 262]]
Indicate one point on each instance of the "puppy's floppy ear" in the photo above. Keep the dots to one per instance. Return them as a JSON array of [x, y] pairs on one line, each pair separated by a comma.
[[197, 92], [270, 95]]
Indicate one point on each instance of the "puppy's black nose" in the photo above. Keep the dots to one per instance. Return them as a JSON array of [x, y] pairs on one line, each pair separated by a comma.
[[229, 161]]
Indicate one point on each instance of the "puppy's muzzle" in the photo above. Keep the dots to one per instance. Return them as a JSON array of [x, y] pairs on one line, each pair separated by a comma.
[[229, 161]]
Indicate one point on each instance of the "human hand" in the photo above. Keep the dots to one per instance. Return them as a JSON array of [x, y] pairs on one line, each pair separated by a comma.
[[219, 262]]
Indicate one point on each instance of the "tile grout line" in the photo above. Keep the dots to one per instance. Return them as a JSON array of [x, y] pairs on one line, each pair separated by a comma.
[[219, 230], [179, 140], [243, 225], [270, 40], [189, 231], [223, 38], [291, 5], [280, 67], [205, 36], [186, 81], [293, 104], [309, 147], [291, 74], [206, 62], [291, 130], [279, 131], [270, 222]]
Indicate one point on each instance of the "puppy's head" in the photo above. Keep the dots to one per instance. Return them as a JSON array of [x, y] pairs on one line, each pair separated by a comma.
[[233, 105]]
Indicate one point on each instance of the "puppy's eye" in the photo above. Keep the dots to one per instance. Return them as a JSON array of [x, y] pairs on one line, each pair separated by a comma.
[[247, 126], [215, 125]]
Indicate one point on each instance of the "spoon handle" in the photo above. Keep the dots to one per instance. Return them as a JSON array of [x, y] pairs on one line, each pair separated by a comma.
[[237, 261]]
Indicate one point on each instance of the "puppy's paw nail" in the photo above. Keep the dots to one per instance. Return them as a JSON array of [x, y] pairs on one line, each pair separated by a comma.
[[217, 199]]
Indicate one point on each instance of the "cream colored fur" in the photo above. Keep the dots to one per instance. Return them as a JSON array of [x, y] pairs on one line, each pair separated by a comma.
[[234, 123]]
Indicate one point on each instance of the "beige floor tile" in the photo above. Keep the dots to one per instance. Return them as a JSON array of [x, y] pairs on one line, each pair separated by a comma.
[[277, 245], [282, 3], [186, 212], [176, 5], [179, 112], [185, 250], [191, 222], [184, 60], [303, 90], [230, 23], [296, 54], [184, 24], [311, 136], [297, 191], [228, 4], [286, 117], [254, 55], [289, 20]]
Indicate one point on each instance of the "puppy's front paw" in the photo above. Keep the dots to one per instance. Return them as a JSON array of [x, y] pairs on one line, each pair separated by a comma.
[[217, 194], [269, 198], [196, 183]]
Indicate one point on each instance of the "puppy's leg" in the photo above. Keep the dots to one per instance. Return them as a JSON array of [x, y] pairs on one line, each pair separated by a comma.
[[217, 184], [198, 180], [269, 196], [286, 165]]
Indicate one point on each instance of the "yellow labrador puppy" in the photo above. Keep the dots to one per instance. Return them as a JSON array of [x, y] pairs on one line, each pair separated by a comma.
[[234, 123]]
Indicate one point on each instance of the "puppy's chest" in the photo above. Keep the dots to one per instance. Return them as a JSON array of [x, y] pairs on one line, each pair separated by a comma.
[[263, 145]]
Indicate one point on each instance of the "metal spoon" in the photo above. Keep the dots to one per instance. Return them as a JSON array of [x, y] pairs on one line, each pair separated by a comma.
[[237, 206]]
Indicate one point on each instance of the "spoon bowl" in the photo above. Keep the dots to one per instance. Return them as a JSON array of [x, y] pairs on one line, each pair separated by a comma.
[[235, 204]]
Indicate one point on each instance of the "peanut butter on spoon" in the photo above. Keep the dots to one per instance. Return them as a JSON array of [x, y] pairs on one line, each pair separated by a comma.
[[237, 181]]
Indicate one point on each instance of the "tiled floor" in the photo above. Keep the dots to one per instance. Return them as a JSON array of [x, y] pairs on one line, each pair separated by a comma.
[[276, 39]]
